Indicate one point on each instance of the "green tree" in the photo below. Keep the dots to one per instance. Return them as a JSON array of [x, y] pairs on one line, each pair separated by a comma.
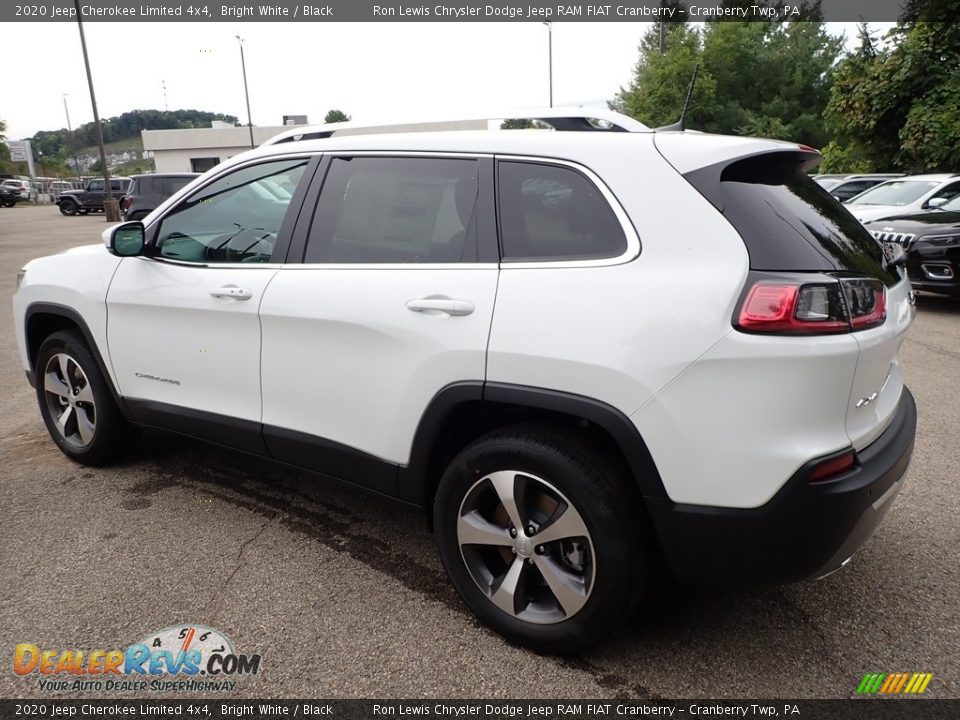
[[4, 150], [656, 94], [335, 116], [899, 106], [756, 78]]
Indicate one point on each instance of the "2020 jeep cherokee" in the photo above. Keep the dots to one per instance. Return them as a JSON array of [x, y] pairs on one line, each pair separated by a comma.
[[578, 351]]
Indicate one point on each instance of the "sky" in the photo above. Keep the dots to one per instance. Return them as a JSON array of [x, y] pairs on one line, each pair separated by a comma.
[[375, 72]]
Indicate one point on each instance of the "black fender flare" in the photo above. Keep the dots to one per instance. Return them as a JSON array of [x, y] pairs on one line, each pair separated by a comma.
[[414, 483], [68, 313]]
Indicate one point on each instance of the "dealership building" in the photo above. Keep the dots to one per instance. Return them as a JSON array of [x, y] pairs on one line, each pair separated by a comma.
[[199, 149]]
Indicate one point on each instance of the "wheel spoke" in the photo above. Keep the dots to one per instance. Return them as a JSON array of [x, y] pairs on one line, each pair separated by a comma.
[[474, 529], [505, 483], [56, 386], [64, 419], [567, 588], [566, 525], [85, 394], [65, 369], [505, 596], [84, 426]]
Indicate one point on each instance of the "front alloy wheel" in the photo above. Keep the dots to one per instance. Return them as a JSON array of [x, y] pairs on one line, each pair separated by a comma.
[[76, 403], [526, 547], [70, 400]]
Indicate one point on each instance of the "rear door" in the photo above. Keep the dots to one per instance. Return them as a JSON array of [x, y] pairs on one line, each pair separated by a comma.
[[392, 302]]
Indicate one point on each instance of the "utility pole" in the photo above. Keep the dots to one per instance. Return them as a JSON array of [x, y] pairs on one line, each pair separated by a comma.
[[550, 57], [73, 140], [246, 92], [110, 206]]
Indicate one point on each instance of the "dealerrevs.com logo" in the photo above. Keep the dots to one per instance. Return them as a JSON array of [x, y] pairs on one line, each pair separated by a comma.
[[187, 658]]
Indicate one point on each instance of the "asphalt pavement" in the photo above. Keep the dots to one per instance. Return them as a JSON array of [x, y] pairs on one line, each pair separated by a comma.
[[343, 595]]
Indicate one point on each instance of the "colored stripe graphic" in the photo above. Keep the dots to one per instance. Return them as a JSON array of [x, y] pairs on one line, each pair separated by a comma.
[[894, 683]]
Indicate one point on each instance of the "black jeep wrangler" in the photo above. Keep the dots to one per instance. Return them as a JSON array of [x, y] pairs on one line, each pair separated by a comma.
[[90, 199]]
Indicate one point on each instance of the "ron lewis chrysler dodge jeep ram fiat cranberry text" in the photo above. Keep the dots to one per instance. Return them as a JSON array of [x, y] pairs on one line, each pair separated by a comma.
[[579, 350]]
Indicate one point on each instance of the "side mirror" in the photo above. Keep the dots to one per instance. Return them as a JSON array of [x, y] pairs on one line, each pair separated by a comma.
[[838, 198], [936, 202], [126, 240]]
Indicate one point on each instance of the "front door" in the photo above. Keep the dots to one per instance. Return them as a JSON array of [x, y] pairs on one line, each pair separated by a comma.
[[183, 324]]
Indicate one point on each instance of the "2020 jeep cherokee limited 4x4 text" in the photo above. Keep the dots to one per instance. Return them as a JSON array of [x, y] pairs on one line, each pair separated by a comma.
[[578, 351]]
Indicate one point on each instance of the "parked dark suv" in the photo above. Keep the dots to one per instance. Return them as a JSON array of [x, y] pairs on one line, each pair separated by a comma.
[[148, 191], [90, 199], [932, 242]]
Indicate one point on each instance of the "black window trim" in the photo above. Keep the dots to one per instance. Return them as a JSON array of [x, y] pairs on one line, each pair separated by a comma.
[[487, 244], [294, 209], [634, 246]]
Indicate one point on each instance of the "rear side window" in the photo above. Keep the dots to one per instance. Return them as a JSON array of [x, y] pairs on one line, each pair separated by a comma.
[[396, 210], [173, 184], [787, 221], [549, 212]]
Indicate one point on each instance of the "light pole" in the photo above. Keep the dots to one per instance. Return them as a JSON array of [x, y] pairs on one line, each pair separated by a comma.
[[246, 92], [43, 172], [110, 207], [550, 56], [76, 161]]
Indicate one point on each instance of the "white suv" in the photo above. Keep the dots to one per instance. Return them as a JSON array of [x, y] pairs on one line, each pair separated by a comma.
[[585, 353]]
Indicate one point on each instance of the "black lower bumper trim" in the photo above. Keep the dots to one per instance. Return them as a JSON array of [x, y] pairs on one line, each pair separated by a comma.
[[806, 530]]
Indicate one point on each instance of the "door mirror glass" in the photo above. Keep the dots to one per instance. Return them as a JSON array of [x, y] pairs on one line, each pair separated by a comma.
[[127, 240]]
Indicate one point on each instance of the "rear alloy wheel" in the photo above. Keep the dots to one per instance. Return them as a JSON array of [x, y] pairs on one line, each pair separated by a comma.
[[541, 543], [526, 547], [68, 207], [76, 404]]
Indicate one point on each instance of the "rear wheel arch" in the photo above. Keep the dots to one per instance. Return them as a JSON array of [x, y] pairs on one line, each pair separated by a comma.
[[44, 319], [463, 412]]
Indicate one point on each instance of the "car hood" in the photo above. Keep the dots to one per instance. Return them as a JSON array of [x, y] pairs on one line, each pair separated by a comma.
[[866, 213], [71, 192], [918, 223]]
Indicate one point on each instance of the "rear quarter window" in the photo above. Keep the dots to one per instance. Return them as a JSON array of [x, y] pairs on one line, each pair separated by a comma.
[[787, 221], [551, 212]]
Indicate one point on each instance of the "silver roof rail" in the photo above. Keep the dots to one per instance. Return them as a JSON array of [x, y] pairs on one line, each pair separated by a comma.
[[558, 118]]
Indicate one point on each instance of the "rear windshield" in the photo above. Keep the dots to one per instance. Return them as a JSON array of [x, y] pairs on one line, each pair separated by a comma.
[[787, 221]]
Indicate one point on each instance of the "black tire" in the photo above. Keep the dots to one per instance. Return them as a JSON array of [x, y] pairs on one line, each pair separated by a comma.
[[87, 396], [614, 561], [68, 207]]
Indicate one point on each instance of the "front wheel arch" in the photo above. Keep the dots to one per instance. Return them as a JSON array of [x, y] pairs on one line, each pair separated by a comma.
[[44, 319]]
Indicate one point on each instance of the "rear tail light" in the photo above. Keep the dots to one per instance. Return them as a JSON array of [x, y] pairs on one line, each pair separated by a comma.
[[829, 469], [866, 302], [813, 308], [125, 202]]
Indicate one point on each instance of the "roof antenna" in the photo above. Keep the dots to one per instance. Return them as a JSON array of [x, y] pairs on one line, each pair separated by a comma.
[[678, 125]]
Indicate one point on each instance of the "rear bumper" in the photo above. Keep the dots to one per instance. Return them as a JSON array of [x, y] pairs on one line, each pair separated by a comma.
[[806, 530]]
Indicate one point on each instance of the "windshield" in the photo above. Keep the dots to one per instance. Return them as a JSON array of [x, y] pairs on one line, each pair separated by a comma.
[[895, 192], [953, 205]]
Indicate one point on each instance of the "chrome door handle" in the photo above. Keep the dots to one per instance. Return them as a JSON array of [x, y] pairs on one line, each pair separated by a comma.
[[435, 306], [231, 292]]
